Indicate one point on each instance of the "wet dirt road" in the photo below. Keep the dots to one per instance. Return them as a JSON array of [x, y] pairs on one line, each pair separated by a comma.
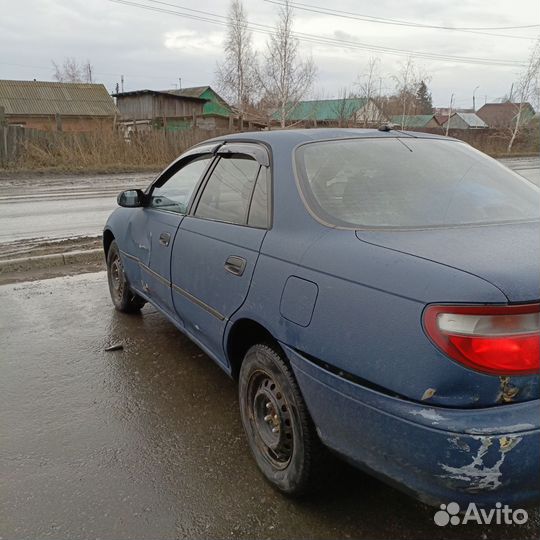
[[147, 443], [61, 206]]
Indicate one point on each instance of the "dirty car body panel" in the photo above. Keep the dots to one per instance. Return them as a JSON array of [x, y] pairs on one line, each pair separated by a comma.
[[346, 301]]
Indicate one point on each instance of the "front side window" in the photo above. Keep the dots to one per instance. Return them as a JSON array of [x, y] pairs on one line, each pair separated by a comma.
[[175, 193], [411, 183], [227, 194]]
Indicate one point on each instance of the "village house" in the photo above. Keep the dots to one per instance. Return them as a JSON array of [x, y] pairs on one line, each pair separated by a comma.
[[344, 112], [178, 110], [56, 106], [144, 110], [503, 115], [216, 111], [464, 120], [415, 121]]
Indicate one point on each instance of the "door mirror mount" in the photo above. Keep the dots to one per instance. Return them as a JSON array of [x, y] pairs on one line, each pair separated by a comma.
[[131, 198]]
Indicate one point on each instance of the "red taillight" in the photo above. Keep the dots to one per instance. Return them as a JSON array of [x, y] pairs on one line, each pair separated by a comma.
[[503, 340]]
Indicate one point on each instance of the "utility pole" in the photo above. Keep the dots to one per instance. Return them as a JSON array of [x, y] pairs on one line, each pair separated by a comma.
[[122, 83], [179, 83], [449, 114], [474, 99]]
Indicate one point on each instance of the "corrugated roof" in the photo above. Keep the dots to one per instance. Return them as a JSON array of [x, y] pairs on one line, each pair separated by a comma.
[[324, 110], [194, 91], [471, 119], [157, 93], [50, 98], [412, 120], [215, 104]]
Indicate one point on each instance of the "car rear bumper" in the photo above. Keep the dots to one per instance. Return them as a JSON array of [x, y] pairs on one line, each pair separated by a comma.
[[437, 454]]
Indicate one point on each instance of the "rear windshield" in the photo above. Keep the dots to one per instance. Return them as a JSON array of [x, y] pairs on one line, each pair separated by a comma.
[[411, 183]]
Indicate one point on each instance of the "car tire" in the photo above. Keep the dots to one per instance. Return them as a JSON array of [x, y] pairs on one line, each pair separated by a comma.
[[124, 299], [278, 427]]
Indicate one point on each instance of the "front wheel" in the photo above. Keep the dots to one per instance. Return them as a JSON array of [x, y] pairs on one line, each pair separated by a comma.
[[124, 299], [279, 429]]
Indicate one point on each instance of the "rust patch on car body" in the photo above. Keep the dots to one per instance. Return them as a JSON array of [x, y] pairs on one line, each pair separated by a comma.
[[508, 391]]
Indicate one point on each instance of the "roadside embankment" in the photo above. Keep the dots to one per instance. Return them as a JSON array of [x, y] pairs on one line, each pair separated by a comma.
[[35, 259]]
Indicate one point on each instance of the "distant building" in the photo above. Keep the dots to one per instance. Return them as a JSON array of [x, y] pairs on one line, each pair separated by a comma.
[[144, 110], [56, 106], [503, 115], [415, 121], [178, 110], [333, 112], [216, 111], [463, 120]]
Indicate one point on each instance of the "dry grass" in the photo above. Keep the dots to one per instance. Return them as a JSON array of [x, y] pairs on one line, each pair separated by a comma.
[[103, 150], [494, 142], [109, 151]]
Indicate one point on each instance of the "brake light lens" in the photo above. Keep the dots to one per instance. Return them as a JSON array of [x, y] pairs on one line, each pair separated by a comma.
[[501, 340]]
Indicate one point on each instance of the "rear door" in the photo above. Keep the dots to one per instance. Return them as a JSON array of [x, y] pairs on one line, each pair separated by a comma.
[[217, 246]]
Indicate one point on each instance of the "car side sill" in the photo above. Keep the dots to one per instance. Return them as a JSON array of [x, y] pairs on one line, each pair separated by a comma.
[[222, 364]]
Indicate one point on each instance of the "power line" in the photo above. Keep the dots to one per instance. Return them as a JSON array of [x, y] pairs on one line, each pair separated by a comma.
[[213, 18], [397, 22]]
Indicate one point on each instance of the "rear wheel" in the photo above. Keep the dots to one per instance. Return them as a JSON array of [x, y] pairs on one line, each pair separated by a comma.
[[279, 430], [124, 299]]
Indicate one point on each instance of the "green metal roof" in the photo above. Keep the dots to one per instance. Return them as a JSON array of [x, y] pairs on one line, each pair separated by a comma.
[[49, 98], [412, 120], [215, 104], [323, 110]]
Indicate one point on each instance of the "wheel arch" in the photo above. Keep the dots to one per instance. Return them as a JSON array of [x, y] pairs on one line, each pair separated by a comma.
[[108, 238], [243, 334]]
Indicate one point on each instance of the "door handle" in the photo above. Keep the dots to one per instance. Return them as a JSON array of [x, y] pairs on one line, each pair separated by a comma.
[[164, 238], [235, 265]]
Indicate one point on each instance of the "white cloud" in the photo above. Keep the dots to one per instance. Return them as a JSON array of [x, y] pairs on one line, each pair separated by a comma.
[[191, 41]]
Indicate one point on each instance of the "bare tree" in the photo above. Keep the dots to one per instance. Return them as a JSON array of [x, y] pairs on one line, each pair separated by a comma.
[[285, 77], [345, 107], [369, 88], [525, 90], [407, 82], [73, 71], [237, 74]]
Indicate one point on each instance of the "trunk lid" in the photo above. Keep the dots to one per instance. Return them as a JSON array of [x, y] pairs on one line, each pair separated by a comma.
[[506, 255]]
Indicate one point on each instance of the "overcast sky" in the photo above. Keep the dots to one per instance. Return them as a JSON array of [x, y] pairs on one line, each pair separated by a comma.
[[155, 49]]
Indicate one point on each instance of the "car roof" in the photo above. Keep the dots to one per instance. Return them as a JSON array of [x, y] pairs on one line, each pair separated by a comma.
[[293, 137]]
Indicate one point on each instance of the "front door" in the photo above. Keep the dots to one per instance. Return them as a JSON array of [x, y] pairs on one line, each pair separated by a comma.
[[152, 229], [217, 247]]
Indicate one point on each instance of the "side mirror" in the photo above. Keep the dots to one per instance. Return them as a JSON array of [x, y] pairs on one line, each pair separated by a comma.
[[131, 198]]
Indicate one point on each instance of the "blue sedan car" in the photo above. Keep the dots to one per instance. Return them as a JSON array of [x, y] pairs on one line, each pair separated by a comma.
[[375, 292]]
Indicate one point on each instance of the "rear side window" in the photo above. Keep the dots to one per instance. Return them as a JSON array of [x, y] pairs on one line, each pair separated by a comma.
[[411, 183], [227, 194]]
